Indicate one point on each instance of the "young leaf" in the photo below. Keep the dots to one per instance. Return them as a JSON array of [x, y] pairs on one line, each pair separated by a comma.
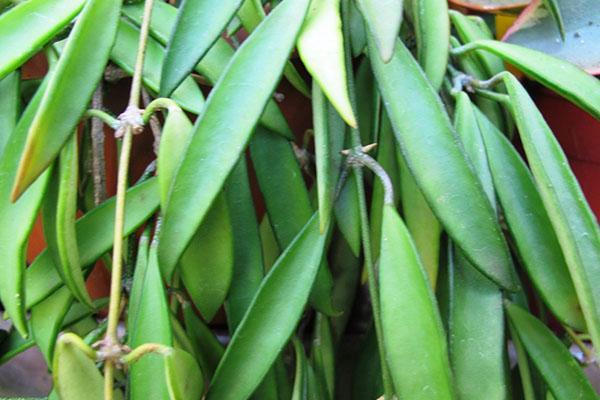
[[412, 329], [553, 7], [558, 368], [27, 27], [321, 48], [199, 24], [70, 88], [383, 18], [271, 318], [184, 378], [239, 98]]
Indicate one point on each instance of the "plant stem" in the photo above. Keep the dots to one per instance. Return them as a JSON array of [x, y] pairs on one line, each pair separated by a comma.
[[98, 159], [117, 259], [589, 355]]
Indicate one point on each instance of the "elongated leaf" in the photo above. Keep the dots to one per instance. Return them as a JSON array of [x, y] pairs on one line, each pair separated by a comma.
[[70, 88], [570, 215], [59, 214], [321, 47], [16, 219], [206, 266], [184, 378], [75, 374], [559, 369], [271, 318], [329, 141], [174, 138], [383, 18], [560, 76], [212, 65], [412, 329], [300, 389], [149, 324], [207, 347], [187, 94], [239, 98], [347, 214], [530, 225], [277, 186], [9, 106], [199, 24], [323, 355], [46, 320], [439, 166], [553, 7], [26, 28], [94, 238], [432, 30], [469, 31], [247, 253]]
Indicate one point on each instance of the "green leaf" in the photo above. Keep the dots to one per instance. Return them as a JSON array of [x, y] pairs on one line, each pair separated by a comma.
[[383, 18], [558, 368], [560, 76], [10, 102], [199, 24], [207, 347], [271, 318], [530, 225], [239, 98], [94, 238], [323, 355], [278, 185], [27, 27], [59, 212], [476, 332], [148, 322], [347, 214], [187, 95], [554, 8], [206, 266], [432, 31], [300, 389], [70, 88], [574, 222], [16, 219], [439, 166], [47, 319], [184, 378], [329, 141], [247, 252], [75, 374], [212, 65], [412, 329], [321, 47]]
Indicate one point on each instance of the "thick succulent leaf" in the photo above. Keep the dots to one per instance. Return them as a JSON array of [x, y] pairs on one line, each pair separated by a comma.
[[247, 252], [26, 28], [207, 348], [75, 374], [212, 65], [239, 99], [59, 212], [321, 47], [70, 88], [16, 219], [412, 329], [439, 165], [559, 369], [560, 76], [271, 318], [94, 238], [432, 30], [187, 95], [10, 100], [199, 24], [148, 322], [184, 378], [530, 225], [383, 18], [574, 222], [206, 266]]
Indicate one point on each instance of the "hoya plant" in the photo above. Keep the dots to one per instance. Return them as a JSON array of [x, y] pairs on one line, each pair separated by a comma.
[[401, 248]]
